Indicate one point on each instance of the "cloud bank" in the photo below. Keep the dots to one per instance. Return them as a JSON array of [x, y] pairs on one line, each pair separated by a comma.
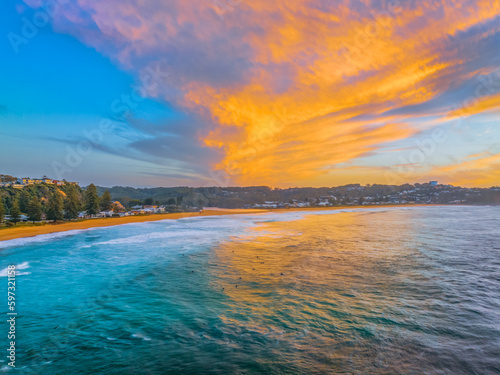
[[294, 91]]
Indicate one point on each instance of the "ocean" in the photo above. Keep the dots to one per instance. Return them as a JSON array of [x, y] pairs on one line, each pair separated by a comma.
[[387, 290]]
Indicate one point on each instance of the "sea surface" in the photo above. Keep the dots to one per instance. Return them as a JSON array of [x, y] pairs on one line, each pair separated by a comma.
[[412, 290]]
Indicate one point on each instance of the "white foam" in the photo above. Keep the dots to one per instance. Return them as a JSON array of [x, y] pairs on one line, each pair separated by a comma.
[[152, 236], [142, 336], [40, 238], [198, 224], [209, 228], [21, 266]]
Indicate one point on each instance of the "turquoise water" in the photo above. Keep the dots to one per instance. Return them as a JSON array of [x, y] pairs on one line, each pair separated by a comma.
[[367, 291]]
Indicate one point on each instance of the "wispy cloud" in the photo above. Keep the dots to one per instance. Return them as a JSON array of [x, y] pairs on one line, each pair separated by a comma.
[[483, 169]]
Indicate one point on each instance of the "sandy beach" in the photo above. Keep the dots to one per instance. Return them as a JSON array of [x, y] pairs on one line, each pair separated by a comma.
[[20, 232]]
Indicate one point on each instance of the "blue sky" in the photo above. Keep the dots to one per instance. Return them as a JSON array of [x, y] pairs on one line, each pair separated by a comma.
[[55, 88]]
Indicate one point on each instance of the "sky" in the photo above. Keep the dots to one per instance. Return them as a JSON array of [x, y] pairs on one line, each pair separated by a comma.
[[236, 93]]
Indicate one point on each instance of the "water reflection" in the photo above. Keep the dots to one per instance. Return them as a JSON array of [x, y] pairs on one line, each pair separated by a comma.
[[353, 291]]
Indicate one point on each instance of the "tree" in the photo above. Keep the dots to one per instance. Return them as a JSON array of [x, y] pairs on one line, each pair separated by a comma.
[[125, 201], [179, 201], [148, 201], [105, 202], [24, 200], [91, 200], [2, 210], [55, 207], [72, 204], [15, 212], [34, 210]]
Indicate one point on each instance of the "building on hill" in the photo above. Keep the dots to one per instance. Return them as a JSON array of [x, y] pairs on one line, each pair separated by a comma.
[[25, 181]]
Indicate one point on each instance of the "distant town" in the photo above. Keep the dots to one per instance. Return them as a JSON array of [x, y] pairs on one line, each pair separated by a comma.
[[19, 183], [45, 199]]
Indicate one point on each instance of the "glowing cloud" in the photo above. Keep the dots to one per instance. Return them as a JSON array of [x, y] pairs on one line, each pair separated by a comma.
[[483, 169], [294, 88]]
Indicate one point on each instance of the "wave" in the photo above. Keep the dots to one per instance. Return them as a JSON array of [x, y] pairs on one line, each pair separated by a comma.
[[198, 224], [152, 236], [40, 238], [18, 242]]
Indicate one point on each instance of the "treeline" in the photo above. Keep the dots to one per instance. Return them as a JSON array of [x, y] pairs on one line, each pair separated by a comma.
[[51, 202], [66, 202], [237, 197]]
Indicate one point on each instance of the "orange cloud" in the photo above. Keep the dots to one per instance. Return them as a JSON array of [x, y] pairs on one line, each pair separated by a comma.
[[299, 72], [475, 105], [476, 170]]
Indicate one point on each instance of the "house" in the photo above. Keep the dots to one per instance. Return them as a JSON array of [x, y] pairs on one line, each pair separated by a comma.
[[27, 181], [21, 217], [303, 204], [266, 205], [326, 200], [46, 180]]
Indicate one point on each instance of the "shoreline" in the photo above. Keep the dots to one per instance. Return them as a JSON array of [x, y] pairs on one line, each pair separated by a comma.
[[49, 228]]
